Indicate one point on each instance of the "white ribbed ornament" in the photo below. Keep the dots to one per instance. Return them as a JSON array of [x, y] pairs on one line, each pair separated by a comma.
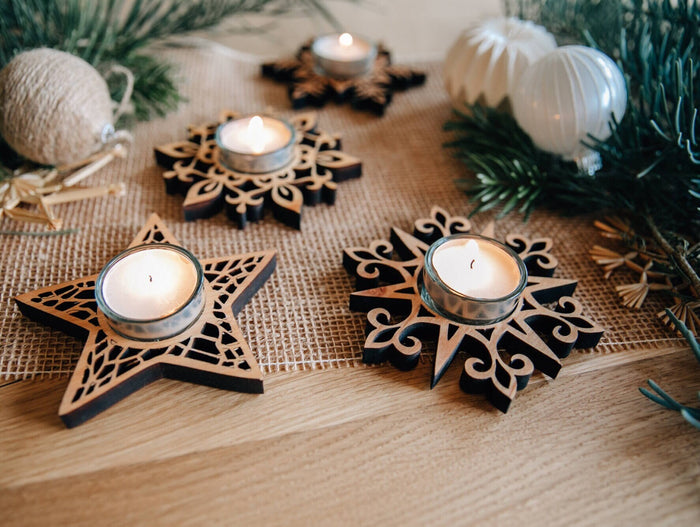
[[487, 59], [567, 95]]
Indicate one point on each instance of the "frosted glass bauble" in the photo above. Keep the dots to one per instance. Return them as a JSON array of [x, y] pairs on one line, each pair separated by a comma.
[[567, 95], [486, 60]]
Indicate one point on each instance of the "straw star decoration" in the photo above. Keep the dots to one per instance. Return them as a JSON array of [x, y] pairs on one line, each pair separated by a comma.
[[643, 257], [29, 194], [502, 356], [213, 351]]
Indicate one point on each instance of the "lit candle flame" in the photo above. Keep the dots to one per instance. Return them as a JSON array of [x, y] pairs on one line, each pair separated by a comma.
[[345, 40], [256, 138], [471, 251]]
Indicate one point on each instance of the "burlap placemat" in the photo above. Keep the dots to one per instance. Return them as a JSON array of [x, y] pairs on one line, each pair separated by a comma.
[[300, 318]]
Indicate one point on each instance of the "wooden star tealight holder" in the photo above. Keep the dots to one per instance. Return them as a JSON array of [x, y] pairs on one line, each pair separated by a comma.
[[212, 351], [543, 328]]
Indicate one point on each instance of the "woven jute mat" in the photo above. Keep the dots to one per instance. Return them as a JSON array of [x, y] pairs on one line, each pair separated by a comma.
[[300, 318]]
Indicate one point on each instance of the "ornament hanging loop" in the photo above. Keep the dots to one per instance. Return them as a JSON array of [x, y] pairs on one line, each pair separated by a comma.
[[123, 105]]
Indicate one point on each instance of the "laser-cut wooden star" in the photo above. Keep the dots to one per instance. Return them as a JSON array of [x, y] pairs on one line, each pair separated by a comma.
[[213, 351]]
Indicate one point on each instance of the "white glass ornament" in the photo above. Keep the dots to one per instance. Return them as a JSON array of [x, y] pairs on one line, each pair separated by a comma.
[[567, 96], [487, 59]]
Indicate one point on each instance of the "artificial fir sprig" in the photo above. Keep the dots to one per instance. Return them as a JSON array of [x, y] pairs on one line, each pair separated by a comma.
[[660, 397], [509, 169], [652, 159]]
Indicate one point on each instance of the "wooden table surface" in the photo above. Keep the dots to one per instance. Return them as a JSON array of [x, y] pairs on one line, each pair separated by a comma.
[[361, 446]]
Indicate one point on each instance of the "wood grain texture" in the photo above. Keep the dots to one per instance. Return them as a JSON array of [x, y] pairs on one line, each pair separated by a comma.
[[359, 446]]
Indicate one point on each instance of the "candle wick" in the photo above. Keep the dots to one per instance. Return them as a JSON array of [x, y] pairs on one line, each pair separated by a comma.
[[150, 278], [471, 265]]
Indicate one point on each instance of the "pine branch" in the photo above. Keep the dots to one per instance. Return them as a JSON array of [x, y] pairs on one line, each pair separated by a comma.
[[509, 169], [678, 254], [660, 397], [119, 31]]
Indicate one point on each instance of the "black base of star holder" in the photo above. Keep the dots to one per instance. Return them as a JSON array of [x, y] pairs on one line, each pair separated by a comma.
[[212, 351], [194, 168], [545, 326], [371, 92]]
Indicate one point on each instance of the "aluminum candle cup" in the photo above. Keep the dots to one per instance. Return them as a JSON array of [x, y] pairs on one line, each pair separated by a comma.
[[256, 144], [472, 279], [151, 292], [343, 55]]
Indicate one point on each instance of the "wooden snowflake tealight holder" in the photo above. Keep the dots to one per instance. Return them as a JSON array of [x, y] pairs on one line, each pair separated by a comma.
[[501, 356], [195, 170], [211, 351], [372, 91]]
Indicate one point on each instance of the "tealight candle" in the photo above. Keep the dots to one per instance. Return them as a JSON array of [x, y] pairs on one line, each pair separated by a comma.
[[472, 279], [151, 292], [256, 144], [343, 55]]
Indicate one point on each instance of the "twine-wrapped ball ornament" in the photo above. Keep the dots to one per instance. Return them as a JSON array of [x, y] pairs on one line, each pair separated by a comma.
[[485, 62], [55, 108], [567, 97]]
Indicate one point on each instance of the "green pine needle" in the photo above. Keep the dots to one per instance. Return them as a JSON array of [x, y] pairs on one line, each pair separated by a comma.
[[692, 418], [659, 396], [510, 171]]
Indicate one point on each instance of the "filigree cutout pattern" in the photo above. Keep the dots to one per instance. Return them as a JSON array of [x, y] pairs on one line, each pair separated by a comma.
[[213, 351], [194, 170], [501, 357], [371, 92]]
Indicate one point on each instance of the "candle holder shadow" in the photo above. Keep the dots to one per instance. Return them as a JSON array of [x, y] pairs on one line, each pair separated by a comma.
[[501, 356], [212, 351], [371, 92], [195, 170]]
